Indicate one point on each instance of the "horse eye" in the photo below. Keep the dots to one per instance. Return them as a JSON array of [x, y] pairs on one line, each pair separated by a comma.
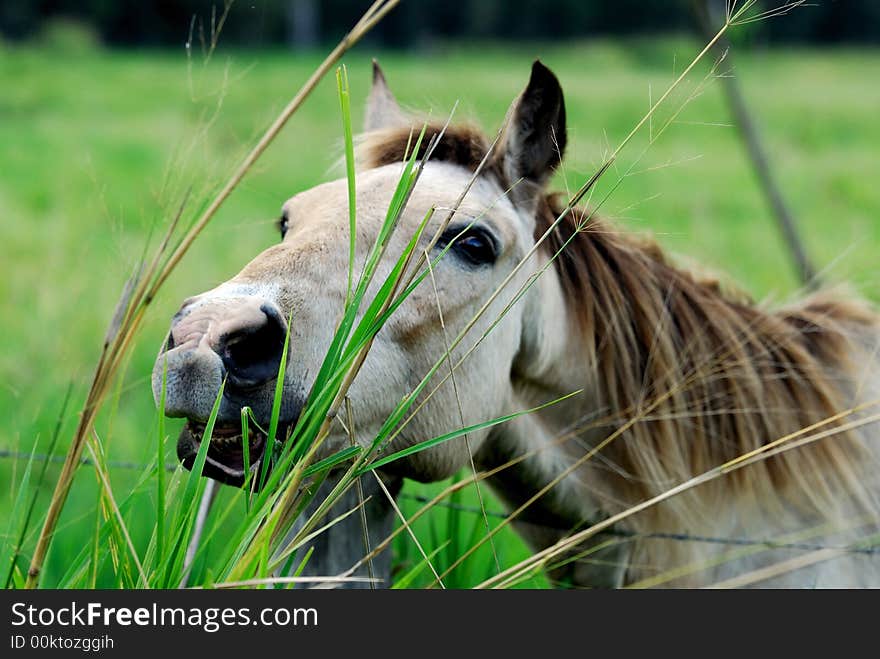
[[282, 224], [475, 246]]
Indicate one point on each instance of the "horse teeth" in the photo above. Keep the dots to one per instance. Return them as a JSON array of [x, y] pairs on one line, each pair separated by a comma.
[[230, 440], [225, 439]]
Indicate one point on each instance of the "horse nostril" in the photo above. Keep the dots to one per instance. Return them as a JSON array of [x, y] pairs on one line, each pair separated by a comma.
[[169, 344], [252, 354]]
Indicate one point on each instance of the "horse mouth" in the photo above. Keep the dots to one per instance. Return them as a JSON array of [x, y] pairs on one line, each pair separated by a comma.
[[224, 461]]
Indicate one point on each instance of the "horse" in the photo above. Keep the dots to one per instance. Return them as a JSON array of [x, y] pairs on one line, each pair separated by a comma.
[[669, 373]]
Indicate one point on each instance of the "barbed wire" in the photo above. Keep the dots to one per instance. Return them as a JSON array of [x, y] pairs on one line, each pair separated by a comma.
[[8, 454], [684, 537]]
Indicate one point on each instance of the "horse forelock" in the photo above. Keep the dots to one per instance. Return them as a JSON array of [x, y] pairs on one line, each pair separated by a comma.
[[708, 374], [461, 144]]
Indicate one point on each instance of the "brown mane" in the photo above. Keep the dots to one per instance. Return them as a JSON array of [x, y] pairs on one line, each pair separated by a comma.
[[710, 375], [711, 368]]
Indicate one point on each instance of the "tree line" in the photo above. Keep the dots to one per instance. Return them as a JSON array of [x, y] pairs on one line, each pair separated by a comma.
[[416, 23]]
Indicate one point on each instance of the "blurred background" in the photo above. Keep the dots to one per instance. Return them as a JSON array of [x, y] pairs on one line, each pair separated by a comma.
[[112, 112], [306, 23]]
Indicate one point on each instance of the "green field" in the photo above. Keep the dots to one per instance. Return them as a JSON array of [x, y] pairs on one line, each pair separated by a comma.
[[97, 148]]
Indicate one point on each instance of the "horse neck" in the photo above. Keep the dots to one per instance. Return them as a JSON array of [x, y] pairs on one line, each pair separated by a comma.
[[676, 377]]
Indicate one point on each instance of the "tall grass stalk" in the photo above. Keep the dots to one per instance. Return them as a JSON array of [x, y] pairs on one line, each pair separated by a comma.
[[95, 449], [345, 107]]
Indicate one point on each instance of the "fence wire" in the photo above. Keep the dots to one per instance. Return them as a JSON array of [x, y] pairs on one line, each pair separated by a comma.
[[7, 454]]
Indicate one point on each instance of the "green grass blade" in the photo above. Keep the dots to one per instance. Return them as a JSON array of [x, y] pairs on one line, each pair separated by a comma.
[[407, 579], [330, 376], [304, 562], [11, 551], [132, 574], [345, 106], [367, 328], [430, 443], [188, 505], [190, 492], [160, 471], [246, 457], [337, 458], [276, 405], [40, 479], [370, 325], [95, 547]]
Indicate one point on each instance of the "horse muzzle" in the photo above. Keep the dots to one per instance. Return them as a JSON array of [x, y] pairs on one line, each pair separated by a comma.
[[231, 342]]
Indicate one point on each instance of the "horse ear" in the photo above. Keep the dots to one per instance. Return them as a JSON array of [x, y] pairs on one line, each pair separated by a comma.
[[534, 136], [383, 110]]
